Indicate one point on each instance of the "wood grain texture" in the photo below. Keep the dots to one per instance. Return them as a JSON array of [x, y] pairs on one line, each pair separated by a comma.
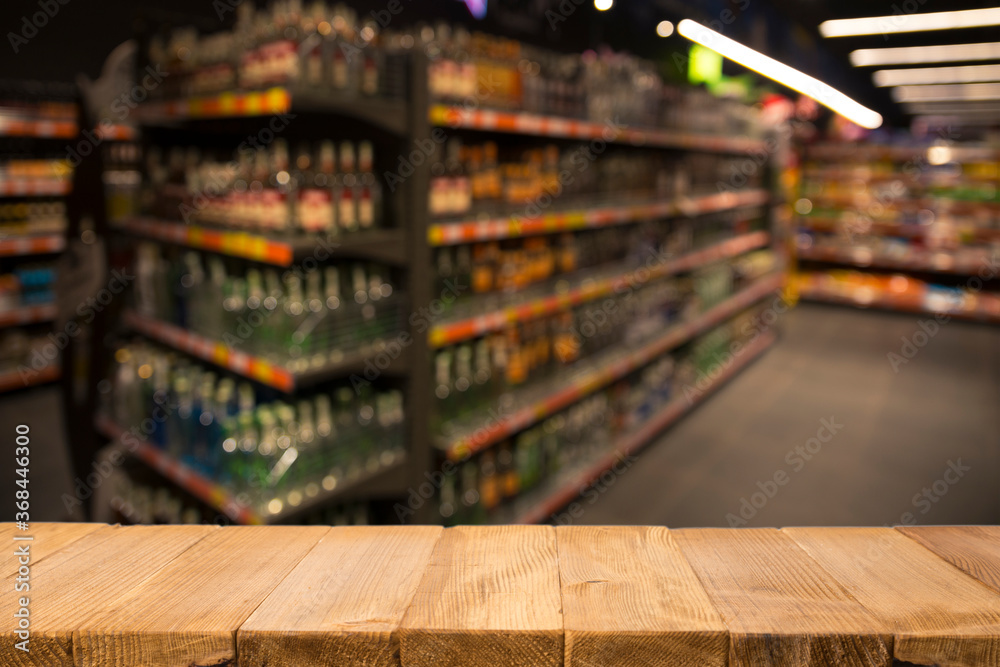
[[938, 614], [781, 608], [343, 603], [188, 613], [84, 578], [631, 598], [48, 538], [490, 597], [974, 550]]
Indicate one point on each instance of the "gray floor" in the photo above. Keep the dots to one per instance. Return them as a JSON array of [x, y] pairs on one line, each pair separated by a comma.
[[900, 430], [900, 433], [49, 471]]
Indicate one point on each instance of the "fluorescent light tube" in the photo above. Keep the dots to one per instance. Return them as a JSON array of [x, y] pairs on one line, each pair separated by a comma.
[[915, 55], [783, 74], [925, 75], [884, 25]]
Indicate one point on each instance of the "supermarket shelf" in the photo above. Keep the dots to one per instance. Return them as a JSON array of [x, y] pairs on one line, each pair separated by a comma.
[[515, 122], [12, 126], [222, 499], [469, 231], [110, 132], [985, 311], [827, 224], [11, 380], [34, 187], [256, 368], [542, 508], [563, 396], [928, 261], [387, 114], [383, 245], [955, 206], [27, 315], [870, 153], [472, 327], [31, 245]]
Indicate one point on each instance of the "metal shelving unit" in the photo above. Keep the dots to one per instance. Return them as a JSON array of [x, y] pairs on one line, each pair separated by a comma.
[[409, 247]]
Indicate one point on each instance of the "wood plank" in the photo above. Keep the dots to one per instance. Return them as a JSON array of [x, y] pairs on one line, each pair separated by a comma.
[[489, 597], [631, 598], [781, 608], [49, 538], [84, 578], [974, 550], [188, 613], [343, 603], [938, 614]]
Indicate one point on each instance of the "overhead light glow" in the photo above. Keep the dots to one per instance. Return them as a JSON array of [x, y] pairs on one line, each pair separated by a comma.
[[915, 55], [925, 75], [884, 25], [938, 155], [603, 5], [783, 74], [664, 28], [953, 92]]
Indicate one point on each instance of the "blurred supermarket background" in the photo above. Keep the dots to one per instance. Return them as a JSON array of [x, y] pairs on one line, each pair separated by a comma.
[[492, 261]]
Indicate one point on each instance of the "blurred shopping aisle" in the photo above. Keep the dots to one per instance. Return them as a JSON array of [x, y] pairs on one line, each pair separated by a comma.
[[900, 431]]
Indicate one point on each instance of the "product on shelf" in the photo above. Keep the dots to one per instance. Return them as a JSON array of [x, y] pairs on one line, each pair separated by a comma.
[[276, 453], [28, 285], [521, 270], [311, 46], [900, 292], [323, 188], [526, 179], [491, 485], [35, 216], [136, 502], [320, 315], [515, 366]]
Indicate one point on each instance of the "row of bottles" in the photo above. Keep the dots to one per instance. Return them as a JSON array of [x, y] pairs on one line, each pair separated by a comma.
[[512, 367], [499, 273], [328, 189], [307, 45], [277, 453], [480, 178], [317, 316], [320, 47], [597, 85], [140, 501], [487, 486], [38, 215]]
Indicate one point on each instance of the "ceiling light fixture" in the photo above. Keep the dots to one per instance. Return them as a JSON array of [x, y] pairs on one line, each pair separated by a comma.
[[884, 25], [787, 76], [911, 55], [925, 75], [952, 92], [664, 28]]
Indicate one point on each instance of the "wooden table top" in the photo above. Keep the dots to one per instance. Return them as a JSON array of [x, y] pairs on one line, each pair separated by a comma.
[[498, 596]]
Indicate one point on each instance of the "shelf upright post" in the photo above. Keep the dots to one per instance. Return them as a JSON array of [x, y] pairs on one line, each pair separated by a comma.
[[416, 220]]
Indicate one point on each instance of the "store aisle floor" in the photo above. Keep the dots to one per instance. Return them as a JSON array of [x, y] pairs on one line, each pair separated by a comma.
[[49, 470], [934, 426]]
